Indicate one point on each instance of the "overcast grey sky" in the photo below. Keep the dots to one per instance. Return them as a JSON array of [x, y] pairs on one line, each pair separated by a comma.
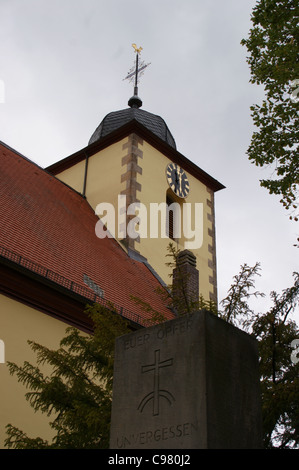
[[63, 63]]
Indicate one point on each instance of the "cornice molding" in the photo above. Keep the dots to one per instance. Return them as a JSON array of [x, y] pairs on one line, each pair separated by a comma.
[[137, 128]]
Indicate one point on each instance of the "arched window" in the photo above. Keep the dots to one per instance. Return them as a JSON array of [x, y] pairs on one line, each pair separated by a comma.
[[169, 217], [173, 216]]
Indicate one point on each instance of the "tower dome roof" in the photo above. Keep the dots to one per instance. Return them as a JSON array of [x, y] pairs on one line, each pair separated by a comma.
[[117, 119]]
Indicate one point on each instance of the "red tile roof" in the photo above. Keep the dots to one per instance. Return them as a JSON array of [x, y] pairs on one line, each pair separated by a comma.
[[53, 226]]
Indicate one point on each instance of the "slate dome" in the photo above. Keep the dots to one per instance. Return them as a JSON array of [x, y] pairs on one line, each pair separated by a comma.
[[117, 119]]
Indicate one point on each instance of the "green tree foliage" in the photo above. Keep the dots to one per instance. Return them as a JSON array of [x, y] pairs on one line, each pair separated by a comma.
[[273, 45], [235, 306], [181, 300], [78, 393], [275, 332]]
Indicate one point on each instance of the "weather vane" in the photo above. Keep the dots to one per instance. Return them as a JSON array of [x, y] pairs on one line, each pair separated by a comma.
[[134, 74]]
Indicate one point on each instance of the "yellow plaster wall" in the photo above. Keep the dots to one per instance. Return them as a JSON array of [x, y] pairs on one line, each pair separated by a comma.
[[104, 185], [103, 182], [18, 324], [154, 187]]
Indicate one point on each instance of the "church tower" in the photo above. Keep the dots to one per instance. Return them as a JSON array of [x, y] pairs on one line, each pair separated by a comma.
[[146, 193]]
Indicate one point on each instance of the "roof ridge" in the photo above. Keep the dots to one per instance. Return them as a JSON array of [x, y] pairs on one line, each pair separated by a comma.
[[45, 170]]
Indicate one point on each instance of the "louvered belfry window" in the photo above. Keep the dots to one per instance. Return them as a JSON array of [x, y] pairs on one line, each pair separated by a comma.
[[169, 219]]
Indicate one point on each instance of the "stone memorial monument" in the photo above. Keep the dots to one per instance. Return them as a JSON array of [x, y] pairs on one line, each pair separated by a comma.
[[188, 383]]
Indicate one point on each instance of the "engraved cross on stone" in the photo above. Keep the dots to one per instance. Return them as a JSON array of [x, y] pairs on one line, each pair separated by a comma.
[[157, 392]]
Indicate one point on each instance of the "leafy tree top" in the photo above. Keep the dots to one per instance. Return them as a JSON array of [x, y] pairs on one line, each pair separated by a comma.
[[273, 45]]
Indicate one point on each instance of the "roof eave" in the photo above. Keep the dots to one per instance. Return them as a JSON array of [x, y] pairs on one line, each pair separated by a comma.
[[122, 132]]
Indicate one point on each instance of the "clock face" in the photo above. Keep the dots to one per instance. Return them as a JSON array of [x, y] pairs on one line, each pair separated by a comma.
[[177, 180]]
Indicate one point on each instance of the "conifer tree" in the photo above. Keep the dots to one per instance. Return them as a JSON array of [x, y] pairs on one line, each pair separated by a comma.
[[279, 364], [182, 300], [78, 392]]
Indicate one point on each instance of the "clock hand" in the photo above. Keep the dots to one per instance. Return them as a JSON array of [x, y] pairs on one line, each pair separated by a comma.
[[180, 176], [176, 179]]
